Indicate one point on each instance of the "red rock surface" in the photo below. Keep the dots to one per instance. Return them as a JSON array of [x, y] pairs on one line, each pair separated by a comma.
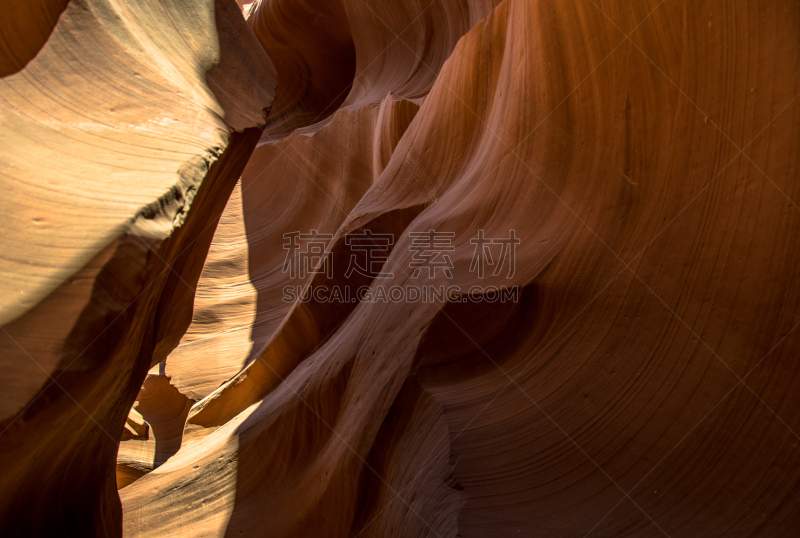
[[124, 129], [646, 156]]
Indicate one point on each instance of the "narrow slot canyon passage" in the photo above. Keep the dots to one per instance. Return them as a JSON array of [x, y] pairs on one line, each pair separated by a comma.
[[400, 268]]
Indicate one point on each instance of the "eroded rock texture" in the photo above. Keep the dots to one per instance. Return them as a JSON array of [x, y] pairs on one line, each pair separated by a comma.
[[644, 155], [124, 129]]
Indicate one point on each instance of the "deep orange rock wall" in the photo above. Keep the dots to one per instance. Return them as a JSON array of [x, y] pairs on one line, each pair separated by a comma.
[[641, 384], [640, 160]]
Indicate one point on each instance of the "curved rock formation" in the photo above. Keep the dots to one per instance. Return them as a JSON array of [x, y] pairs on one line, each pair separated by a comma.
[[597, 205], [124, 133], [154, 429]]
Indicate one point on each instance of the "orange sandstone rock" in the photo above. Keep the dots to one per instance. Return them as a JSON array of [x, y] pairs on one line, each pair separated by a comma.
[[125, 127], [640, 385], [639, 158]]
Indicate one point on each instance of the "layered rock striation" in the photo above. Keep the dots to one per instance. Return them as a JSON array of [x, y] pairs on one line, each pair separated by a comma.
[[596, 201], [125, 127]]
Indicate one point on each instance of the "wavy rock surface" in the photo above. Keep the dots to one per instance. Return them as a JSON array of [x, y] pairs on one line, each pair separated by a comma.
[[154, 429], [645, 156], [124, 130], [312, 178]]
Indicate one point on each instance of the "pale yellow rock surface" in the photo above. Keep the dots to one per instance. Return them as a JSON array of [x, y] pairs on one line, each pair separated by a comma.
[[123, 129]]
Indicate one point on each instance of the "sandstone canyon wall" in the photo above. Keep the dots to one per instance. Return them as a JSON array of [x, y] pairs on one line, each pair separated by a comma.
[[124, 130], [635, 162]]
